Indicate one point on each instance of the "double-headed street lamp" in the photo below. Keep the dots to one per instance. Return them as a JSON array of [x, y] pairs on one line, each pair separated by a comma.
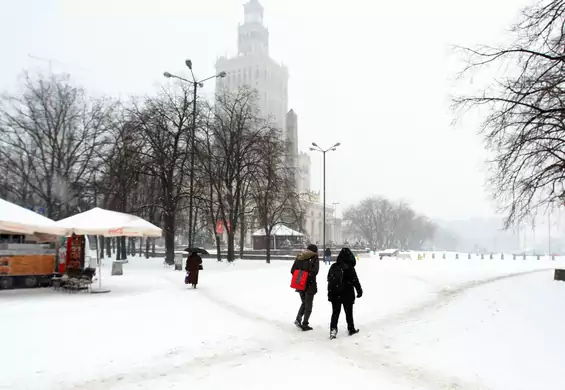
[[195, 83], [316, 148]]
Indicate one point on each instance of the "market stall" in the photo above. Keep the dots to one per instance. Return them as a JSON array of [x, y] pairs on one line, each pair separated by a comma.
[[282, 237], [27, 247], [107, 223]]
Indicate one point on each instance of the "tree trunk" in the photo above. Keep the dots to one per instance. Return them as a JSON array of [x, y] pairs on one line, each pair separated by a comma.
[[242, 232], [124, 248], [218, 247], [169, 224], [147, 247], [108, 247], [118, 248], [194, 219], [231, 246], [153, 254], [102, 242], [268, 247], [141, 246]]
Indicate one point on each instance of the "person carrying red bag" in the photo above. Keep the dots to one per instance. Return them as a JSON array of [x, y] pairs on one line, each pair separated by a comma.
[[304, 271]]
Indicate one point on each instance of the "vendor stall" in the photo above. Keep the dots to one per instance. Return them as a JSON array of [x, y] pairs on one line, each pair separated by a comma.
[[107, 223]]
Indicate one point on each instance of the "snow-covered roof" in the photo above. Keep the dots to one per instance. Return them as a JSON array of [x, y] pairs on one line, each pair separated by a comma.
[[278, 230], [16, 219], [389, 251]]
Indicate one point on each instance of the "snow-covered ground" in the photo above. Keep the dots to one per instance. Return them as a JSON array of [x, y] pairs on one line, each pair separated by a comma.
[[428, 324]]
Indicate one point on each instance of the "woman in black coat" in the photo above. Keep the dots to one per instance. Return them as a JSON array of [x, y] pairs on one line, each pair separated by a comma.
[[343, 284]]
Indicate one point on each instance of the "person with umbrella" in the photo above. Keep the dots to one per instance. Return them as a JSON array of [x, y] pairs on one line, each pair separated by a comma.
[[194, 265]]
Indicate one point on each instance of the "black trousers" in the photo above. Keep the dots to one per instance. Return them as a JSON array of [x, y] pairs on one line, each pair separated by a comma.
[[305, 308], [336, 310]]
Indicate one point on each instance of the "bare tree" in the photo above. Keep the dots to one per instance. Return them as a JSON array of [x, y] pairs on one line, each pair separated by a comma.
[[50, 133], [122, 168], [164, 123], [234, 133], [524, 127], [274, 190], [383, 224]]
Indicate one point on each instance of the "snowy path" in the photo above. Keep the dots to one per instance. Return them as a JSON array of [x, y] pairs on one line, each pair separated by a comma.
[[228, 334]]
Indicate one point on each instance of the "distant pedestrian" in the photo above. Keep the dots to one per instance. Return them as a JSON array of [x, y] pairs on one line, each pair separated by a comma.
[[193, 267], [328, 256], [304, 271], [342, 285]]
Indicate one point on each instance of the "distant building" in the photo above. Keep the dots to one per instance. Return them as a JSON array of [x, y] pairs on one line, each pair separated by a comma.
[[313, 221], [304, 172], [254, 67]]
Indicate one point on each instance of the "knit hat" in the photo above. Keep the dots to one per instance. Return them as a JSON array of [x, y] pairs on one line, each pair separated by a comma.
[[312, 248]]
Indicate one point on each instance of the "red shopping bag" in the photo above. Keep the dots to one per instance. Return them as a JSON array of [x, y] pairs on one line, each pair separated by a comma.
[[299, 279]]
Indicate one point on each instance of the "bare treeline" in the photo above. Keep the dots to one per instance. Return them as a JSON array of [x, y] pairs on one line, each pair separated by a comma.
[[384, 224], [523, 108], [66, 152]]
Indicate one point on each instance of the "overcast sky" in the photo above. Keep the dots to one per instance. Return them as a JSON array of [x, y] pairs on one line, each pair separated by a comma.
[[374, 75]]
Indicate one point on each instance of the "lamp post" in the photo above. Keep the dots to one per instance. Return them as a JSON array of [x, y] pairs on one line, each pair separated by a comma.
[[195, 83], [316, 148]]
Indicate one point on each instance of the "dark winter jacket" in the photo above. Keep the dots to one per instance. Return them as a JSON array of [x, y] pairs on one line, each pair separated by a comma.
[[346, 261], [308, 261], [193, 264], [328, 252]]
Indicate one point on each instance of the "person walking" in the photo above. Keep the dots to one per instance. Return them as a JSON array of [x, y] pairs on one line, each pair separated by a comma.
[[193, 267], [309, 262], [328, 256], [343, 282]]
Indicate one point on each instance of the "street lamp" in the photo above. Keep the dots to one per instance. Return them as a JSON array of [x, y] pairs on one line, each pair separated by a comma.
[[316, 148], [195, 83]]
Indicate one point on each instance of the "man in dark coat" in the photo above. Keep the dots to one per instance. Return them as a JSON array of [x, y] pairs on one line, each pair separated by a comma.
[[193, 265], [328, 256], [307, 261], [344, 294]]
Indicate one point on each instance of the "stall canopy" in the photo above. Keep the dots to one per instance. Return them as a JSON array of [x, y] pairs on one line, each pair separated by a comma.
[[101, 222], [16, 219], [108, 223], [279, 231]]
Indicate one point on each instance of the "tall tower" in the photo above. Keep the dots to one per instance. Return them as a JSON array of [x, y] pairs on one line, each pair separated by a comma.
[[254, 68], [253, 35], [292, 138]]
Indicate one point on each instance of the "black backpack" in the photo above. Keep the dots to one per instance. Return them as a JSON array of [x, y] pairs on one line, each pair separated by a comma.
[[335, 279]]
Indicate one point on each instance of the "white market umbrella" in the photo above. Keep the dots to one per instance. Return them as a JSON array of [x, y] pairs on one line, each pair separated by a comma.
[[16, 219], [101, 222]]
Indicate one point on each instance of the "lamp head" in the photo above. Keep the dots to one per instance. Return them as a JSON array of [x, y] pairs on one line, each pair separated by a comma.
[[188, 63], [167, 75], [314, 144], [222, 75]]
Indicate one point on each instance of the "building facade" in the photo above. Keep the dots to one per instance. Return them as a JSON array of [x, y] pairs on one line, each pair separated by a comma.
[[253, 67], [313, 222]]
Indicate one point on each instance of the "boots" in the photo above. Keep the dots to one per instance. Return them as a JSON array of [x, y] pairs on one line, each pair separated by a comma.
[[305, 327], [333, 334], [353, 331], [298, 324]]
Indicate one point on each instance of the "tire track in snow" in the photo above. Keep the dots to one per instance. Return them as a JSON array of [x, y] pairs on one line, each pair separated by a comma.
[[358, 356]]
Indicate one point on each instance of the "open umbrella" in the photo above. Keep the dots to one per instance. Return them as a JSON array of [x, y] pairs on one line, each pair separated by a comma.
[[16, 219], [108, 223], [197, 250]]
